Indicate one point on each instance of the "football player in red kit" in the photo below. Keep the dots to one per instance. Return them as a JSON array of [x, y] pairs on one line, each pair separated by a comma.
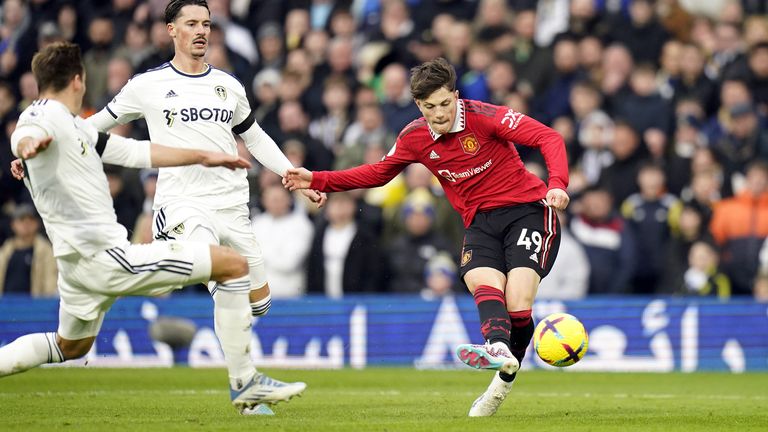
[[512, 231]]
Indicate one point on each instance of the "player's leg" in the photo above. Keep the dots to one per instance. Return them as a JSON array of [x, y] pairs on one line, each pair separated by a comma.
[[237, 232], [251, 298], [483, 268], [531, 247], [72, 340]]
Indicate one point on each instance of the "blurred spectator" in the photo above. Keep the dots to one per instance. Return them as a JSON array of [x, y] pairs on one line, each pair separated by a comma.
[[27, 265], [745, 139], [294, 124], [686, 228], [755, 73], [553, 102], [670, 66], [397, 105], [693, 83], [161, 46], [728, 50], [643, 107], [17, 40], [501, 81], [533, 63], [647, 214], [643, 35], [440, 277], [616, 67], [126, 196], [266, 85], [96, 60], [703, 278], [703, 193], [607, 241], [296, 27], [135, 46], [285, 235], [410, 251], [367, 130], [620, 177], [119, 71], [337, 101], [142, 229], [70, 24], [569, 277], [740, 225], [344, 258], [236, 37], [28, 90]]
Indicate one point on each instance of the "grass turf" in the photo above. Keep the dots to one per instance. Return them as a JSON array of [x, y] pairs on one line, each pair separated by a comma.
[[379, 399]]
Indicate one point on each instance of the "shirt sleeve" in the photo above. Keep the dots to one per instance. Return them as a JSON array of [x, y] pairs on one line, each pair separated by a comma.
[[518, 128], [124, 108], [366, 176], [30, 125], [117, 150]]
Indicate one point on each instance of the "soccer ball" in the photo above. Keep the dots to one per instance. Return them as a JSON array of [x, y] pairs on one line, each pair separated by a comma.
[[560, 340]]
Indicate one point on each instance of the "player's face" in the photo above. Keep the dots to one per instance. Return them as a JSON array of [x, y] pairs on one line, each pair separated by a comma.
[[439, 109], [190, 30]]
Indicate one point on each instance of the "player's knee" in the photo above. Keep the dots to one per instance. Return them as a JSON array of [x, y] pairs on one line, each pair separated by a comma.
[[73, 349], [226, 264]]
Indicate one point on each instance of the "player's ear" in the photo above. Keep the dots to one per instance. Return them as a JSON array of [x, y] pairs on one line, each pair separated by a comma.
[[171, 29]]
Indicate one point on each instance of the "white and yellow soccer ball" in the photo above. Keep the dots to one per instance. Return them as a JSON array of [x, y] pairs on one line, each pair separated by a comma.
[[560, 339]]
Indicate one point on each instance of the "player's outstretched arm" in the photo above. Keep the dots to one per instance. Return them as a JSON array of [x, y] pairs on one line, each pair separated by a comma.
[[29, 147], [297, 178], [163, 156]]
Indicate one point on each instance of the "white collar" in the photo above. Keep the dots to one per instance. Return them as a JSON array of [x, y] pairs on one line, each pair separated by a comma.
[[458, 122]]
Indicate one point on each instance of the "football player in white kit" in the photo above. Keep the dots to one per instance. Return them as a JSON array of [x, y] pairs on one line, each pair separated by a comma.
[[188, 103], [61, 161]]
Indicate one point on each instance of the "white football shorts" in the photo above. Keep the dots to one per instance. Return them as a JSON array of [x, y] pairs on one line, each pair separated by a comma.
[[229, 226], [89, 285]]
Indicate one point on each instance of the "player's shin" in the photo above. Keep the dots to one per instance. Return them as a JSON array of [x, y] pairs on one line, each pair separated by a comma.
[[29, 351], [494, 319], [232, 320], [520, 337]]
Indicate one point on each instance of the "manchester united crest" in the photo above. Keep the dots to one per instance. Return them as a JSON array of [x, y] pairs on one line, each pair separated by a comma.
[[469, 144], [466, 257]]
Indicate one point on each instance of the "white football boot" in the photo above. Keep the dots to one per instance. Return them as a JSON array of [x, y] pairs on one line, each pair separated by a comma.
[[263, 390], [495, 357], [490, 401], [258, 410]]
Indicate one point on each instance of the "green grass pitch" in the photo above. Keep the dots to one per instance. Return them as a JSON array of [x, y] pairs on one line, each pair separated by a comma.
[[379, 399]]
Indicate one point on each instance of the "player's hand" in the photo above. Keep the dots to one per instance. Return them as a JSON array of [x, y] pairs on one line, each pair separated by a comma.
[[17, 169], [297, 178], [558, 199], [31, 147], [215, 159], [316, 197]]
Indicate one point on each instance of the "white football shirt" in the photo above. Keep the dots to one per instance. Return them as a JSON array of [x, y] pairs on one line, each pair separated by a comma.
[[186, 111], [67, 180]]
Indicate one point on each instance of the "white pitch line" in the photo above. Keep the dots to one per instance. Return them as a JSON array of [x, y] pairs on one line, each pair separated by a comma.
[[388, 393]]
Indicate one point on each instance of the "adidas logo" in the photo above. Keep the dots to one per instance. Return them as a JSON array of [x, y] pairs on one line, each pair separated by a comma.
[[170, 94], [433, 155], [534, 258]]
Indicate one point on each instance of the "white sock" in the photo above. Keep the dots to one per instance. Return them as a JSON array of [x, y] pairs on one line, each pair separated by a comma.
[[29, 351], [232, 322]]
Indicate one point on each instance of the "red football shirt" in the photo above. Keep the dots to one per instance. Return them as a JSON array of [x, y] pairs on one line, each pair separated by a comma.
[[476, 163]]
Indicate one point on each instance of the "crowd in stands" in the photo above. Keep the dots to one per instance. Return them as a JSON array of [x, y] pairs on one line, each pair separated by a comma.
[[663, 105]]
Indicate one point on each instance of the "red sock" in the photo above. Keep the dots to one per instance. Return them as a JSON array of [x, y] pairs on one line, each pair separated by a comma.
[[494, 320]]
